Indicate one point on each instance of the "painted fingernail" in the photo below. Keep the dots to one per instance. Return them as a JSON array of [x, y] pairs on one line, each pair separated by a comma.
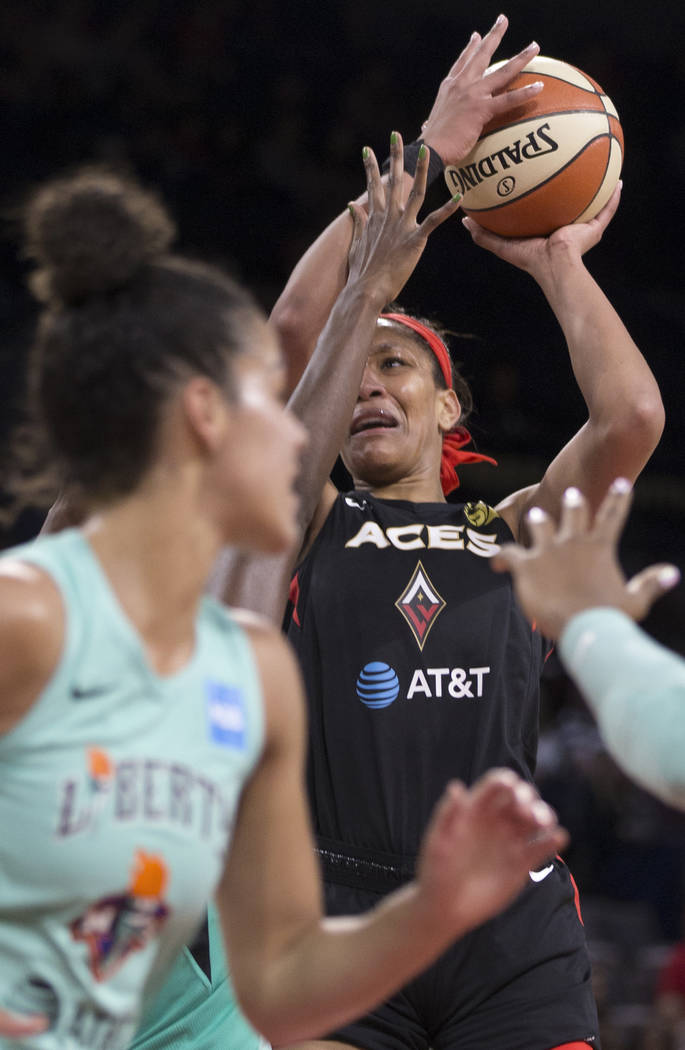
[[572, 497], [422, 151], [351, 210], [621, 485], [393, 138], [536, 515], [457, 197], [366, 153], [668, 576]]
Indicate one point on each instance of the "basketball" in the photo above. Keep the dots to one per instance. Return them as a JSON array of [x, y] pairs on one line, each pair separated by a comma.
[[553, 161]]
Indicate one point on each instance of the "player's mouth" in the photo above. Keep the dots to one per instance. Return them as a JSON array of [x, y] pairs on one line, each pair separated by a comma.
[[369, 420]]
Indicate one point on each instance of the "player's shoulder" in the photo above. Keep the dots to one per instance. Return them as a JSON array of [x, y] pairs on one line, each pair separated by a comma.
[[29, 597], [32, 624]]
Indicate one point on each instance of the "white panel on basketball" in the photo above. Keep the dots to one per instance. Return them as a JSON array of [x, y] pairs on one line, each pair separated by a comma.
[[608, 183], [515, 160], [552, 67], [609, 106]]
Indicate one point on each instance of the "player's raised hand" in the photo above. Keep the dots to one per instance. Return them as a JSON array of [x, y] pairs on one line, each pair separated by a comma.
[[480, 845], [575, 566], [467, 99], [389, 241], [536, 254]]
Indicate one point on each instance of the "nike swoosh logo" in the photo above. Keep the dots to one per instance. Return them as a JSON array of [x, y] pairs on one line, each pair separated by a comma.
[[90, 693], [538, 876]]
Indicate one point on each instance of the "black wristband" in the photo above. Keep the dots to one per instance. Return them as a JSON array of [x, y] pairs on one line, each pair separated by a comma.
[[411, 156]]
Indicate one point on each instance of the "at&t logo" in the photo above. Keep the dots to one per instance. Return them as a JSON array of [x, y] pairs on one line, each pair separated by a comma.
[[377, 685]]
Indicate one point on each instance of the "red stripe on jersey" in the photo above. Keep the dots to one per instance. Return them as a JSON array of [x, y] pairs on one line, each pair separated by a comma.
[[294, 597]]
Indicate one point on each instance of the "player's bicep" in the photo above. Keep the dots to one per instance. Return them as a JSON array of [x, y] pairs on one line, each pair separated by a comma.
[[270, 892]]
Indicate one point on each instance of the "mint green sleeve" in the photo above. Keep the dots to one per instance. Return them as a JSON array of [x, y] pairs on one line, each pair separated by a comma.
[[636, 690]]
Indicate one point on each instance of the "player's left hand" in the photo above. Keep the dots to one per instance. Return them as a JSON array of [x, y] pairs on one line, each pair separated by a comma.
[[388, 243], [575, 566], [469, 97], [535, 254]]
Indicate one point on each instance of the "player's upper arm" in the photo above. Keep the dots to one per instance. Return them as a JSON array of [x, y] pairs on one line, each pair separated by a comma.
[[270, 893], [31, 637]]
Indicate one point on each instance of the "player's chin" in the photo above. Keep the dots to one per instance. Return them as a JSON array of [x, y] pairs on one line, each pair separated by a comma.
[[375, 464]]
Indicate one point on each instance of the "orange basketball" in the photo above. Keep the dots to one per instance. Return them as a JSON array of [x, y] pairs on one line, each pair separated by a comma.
[[548, 163]]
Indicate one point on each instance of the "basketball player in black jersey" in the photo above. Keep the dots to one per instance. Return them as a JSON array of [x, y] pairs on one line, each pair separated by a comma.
[[418, 663]]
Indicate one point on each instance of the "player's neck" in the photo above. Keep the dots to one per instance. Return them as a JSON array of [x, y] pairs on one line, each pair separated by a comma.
[[415, 490], [157, 555]]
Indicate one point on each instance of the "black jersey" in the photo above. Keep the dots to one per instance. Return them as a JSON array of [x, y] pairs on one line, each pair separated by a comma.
[[419, 665]]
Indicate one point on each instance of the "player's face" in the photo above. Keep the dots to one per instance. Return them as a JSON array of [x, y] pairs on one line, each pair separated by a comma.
[[395, 431], [261, 458]]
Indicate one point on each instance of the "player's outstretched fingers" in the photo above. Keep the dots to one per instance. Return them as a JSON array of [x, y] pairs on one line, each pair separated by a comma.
[[450, 809], [613, 510], [418, 189], [359, 220], [540, 527], [507, 558], [648, 585], [374, 185], [502, 76], [396, 173], [484, 49], [437, 217], [575, 514], [465, 55]]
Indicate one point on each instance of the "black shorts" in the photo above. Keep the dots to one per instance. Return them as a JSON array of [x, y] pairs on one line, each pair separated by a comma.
[[519, 982]]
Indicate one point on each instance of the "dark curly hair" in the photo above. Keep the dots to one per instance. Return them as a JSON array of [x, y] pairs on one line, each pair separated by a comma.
[[123, 321]]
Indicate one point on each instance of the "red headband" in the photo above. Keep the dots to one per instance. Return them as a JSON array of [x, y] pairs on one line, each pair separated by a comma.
[[434, 341], [455, 439]]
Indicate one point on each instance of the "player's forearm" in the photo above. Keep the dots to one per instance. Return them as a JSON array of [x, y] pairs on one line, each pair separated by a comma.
[[325, 396], [344, 967], [617, 385], [636, 689]]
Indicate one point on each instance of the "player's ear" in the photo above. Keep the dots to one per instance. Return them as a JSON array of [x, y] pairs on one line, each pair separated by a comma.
[[205, 410], [449, 410]]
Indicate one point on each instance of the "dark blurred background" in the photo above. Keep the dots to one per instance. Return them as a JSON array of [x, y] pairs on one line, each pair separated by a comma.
[[250, 117]]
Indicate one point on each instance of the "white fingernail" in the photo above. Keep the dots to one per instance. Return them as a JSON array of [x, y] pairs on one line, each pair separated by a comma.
[[621, 485], [572, 497], [536, 515], [542, 813], [668, 576]]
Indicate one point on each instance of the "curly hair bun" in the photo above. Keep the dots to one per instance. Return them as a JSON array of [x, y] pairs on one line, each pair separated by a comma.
[[91, 233]]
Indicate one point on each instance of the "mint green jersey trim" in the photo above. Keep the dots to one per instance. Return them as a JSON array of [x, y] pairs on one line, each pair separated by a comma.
[[193, 1013], [636, 689]]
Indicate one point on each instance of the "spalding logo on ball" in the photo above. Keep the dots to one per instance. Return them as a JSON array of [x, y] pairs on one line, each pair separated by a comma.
[[553, 161]]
